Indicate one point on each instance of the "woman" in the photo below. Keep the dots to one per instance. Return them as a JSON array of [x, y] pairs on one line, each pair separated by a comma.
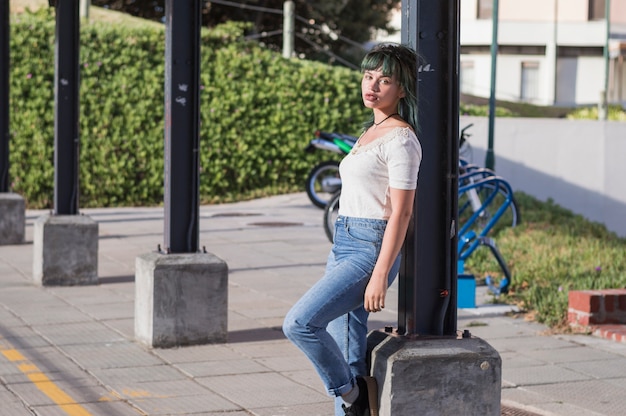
[[379, 179]]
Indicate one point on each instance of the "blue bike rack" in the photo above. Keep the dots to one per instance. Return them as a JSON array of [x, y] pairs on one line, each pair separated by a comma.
[[469, 240]]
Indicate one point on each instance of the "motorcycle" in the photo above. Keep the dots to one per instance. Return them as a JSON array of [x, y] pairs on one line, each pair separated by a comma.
[[323, 180]]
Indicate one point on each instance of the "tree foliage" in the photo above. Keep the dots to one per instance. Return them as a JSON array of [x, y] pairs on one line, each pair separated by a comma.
[[327, 31]]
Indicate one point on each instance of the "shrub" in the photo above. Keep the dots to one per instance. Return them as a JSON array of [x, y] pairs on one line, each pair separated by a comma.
[[258, 112]]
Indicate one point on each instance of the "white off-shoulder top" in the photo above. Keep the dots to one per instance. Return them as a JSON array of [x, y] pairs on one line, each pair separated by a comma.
[[370, 170]]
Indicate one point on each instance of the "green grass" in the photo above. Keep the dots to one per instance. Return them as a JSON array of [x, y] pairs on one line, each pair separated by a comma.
[[552, 252], [616, 113]]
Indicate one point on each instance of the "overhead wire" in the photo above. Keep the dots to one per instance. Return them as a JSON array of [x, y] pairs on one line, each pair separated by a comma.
[[301, 36]]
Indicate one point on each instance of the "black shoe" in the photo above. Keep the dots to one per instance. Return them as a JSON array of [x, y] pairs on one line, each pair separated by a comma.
[[367, 402]]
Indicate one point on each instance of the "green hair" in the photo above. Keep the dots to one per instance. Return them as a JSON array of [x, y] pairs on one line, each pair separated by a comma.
[[400, 62]]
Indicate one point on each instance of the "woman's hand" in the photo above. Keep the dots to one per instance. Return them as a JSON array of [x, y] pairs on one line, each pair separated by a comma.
[[375, 293]]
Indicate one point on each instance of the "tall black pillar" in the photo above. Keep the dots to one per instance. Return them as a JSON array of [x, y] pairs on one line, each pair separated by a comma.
[[66, 119], [4, 95], [182, 125], [427, 304]]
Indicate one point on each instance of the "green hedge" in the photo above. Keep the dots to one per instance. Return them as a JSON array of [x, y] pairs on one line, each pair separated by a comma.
[[258, 112]]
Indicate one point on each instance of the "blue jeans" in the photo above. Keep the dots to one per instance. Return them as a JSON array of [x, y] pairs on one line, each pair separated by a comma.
[[329, 323]]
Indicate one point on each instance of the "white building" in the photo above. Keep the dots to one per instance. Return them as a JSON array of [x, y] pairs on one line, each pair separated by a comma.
[[550, 52]]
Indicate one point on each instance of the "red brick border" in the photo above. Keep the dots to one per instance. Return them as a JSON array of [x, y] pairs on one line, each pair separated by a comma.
[[596, 307]]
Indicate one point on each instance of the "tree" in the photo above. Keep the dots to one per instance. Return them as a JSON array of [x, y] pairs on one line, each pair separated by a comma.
[[333, 31]]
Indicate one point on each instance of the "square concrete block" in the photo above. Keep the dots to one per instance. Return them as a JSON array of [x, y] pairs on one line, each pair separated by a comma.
[[65, 250], [435, 376], [180, 299], [12, 219]]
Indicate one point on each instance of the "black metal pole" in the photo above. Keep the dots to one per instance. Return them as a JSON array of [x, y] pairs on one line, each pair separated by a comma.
[[182, 125], [427, 304], [4, 95], [66, 117]]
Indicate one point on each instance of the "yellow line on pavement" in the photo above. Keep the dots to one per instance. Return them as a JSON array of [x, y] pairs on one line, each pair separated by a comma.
[[42, 382]]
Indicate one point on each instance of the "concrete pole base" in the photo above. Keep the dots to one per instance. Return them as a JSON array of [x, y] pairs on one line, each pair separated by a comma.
[[435, 376], [180, 299], [12, 219], [65, 250]]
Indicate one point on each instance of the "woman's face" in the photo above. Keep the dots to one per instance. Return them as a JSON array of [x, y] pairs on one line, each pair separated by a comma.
[[380, 91]]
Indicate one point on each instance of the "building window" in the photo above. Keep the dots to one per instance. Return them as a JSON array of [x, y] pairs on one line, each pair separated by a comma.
[[466, 77], [530, 81], [597, 9], [485, 9]]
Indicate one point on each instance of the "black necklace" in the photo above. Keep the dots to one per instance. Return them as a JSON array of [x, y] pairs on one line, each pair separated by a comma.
[[385, 119]]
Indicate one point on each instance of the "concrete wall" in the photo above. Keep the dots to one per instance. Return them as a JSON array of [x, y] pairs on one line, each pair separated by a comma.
[[578, 163]]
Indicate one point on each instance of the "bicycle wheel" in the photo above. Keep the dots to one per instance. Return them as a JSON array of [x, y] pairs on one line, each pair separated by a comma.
[[330, 216], [493, 197], [323, 181]]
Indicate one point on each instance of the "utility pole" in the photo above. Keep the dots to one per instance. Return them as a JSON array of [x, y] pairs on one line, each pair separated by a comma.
[[84, 9], [289, 21], [603, 108], [490, 158]]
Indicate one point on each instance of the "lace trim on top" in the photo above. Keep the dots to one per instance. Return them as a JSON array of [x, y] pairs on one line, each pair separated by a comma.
[[385, 138]]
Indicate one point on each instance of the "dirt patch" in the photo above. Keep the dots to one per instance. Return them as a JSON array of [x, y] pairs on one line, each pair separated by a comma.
[[19, 6], [96, 14]]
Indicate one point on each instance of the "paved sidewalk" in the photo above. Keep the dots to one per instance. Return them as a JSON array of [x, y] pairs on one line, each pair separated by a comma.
[[71, 350]]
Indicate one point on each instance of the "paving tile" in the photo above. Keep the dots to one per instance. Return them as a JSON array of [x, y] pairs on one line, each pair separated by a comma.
[[539, 375], [207, 402], [162, 389], [566, 409], [574, 353], [255, 334], [77, 391], [11, 404], [592, 395], [315, 409], [285, 363], [82, 295], [222, 367], [261, 390], [198, 353], [496, 328], [104, 408], [124, 327], [307, 377], [112, 310], [22, 337], [118, 378], [48, 360], [111, 355], [517, 360], [607, 368], [526, 343], [521, 395], [78, 333], [596, 343], [262, 349]]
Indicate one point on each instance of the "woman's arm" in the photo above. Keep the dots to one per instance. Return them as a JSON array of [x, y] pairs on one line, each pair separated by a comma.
[[395, 233]]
